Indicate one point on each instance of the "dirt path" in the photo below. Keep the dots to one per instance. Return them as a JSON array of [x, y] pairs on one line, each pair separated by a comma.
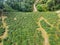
[[1, 43], [35, 9], [5, 26], [6, 29], [44, 33], [58, 12]]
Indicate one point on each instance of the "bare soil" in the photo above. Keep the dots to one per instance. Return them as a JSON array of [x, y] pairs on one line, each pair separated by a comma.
[[6, 29], [44, 33]]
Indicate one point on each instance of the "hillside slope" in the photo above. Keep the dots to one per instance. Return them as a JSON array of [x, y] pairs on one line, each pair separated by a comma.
[[23, 29]]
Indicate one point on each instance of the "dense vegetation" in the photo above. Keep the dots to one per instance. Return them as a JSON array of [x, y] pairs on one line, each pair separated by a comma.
[[48, 5], [27, 5], [17, 5], [2, 30], [20, 26], [23, 30]]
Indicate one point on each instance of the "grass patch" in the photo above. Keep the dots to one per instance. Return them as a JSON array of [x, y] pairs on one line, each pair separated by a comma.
[[22, 31]]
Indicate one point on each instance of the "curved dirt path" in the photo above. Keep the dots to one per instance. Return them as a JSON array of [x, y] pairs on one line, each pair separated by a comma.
[[35, 9], [1, 43], [4, 26], [58, 12], [44, 33], [6, 29]]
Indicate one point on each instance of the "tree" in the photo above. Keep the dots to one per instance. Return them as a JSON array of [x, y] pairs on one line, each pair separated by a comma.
[[21, 5], [50, 5], [1, 4]]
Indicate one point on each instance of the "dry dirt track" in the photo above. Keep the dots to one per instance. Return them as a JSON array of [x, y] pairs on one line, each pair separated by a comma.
[[44, 33], [6, 29], [1, 43], [58, 12], [35, 9]]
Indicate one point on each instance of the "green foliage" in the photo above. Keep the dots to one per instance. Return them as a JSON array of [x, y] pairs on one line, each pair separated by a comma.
[[2, 30], [41, 7], [50, 5], [1, 4], [43, 1], [27, 5], [21, 5], [17, 5], [7, 8], [0, 40], [22, 31], [0, 22]]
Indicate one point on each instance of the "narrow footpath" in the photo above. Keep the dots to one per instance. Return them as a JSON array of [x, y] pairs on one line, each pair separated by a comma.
[[6, 29], [44, 33], [35, 9]]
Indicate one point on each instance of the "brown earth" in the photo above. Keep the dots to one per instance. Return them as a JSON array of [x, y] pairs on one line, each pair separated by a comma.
[[44, 33], [6, 29]]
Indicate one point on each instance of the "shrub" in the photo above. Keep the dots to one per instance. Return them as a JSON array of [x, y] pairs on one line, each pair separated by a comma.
[[42, 7], [2, 30]]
